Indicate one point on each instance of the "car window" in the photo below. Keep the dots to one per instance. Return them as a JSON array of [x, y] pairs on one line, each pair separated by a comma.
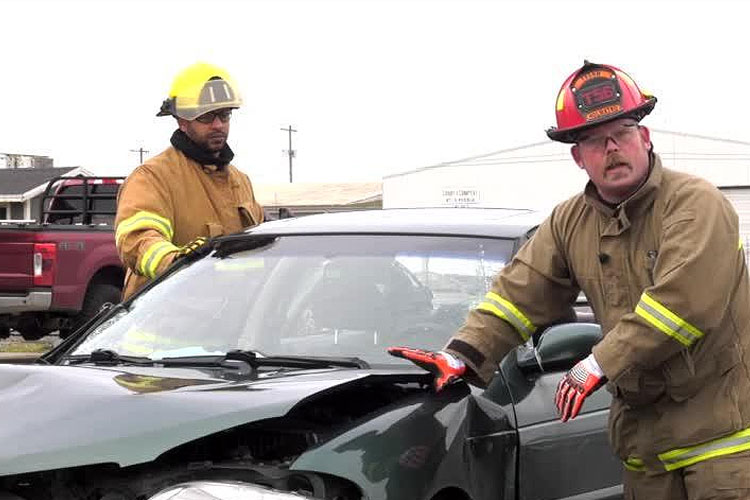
[[335, 295]]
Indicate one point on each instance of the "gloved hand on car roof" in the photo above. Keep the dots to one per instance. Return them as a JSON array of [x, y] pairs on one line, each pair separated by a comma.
[[446, 367], [191, 247]]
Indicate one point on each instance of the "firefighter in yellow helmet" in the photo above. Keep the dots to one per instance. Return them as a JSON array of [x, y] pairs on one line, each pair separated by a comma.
[[658, 254], [172, 203]]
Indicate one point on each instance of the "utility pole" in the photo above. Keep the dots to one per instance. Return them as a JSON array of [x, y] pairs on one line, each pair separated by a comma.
[[290, 152], [140, 151]]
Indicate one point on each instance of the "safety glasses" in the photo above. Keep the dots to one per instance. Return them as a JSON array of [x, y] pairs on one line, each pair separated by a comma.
[[620, 136], [222, 114]]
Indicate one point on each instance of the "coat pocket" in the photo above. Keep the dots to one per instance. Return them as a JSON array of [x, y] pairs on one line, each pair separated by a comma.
[[214, 229], [246, 215], [637, 387], [679, 372]]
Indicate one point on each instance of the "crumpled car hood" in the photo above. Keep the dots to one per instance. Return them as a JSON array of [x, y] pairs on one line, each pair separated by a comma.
[[53, 417]]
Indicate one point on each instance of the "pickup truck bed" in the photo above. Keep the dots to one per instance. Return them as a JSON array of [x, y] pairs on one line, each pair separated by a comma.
[[54, 275]]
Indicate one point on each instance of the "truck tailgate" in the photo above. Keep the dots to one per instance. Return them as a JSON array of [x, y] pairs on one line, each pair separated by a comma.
[[16, 266]]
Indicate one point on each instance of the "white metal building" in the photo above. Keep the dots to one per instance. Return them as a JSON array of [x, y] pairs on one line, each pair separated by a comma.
[[543, 174]]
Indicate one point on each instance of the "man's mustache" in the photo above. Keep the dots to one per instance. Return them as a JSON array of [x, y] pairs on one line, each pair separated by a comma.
[[616, 159]]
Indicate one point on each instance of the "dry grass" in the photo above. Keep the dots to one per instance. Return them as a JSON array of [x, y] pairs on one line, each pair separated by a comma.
[[34, 347]]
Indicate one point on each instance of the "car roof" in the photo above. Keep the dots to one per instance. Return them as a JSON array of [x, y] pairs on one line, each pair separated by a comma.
[[485, 222]]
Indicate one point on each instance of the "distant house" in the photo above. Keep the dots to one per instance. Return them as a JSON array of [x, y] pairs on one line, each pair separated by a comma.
[[283, 200], [21, 189]]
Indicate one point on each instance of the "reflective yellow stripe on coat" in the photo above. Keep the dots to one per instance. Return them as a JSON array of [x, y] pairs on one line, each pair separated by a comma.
[[153, 256], [503, 309], [144, 220], [635, 464], [666, 321], [682, 457]]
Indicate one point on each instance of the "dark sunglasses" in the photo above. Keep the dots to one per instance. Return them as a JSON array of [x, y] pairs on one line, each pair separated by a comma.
[[223, 115]]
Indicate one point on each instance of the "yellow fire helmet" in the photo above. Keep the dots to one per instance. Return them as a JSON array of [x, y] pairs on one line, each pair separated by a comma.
[[199, 89]]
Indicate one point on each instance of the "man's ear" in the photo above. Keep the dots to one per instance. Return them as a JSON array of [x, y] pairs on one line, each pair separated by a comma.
[[575, 152], [645, 135]]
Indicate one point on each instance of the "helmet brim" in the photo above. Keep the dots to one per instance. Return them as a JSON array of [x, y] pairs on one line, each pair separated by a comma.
[[570, 135]]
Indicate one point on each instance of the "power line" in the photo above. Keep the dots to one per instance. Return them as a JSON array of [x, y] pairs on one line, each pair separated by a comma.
[[290, 152]]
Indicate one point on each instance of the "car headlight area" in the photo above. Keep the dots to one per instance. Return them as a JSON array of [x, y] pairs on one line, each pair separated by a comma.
[[224, 490]]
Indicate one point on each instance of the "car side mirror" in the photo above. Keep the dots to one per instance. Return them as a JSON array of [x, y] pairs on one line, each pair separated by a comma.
[[560, 347]]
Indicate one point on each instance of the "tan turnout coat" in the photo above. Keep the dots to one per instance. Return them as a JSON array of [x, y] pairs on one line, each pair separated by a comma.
[[665, 274], [171, 200]]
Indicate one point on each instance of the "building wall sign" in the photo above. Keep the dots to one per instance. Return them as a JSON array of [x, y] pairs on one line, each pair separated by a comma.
[[461, 196]]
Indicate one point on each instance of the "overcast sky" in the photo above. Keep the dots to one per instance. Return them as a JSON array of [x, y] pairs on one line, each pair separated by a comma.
[[373, 87]]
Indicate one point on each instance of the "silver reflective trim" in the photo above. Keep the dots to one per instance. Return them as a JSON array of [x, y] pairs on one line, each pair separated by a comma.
[[511, 317], [708, 448], [677, 329]]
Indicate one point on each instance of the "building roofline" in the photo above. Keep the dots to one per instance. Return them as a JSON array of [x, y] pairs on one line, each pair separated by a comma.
[[469, 158], [31, 193], [699, 136], [535, 144]]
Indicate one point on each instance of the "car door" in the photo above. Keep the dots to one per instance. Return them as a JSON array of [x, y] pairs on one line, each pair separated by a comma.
[[560, 460]]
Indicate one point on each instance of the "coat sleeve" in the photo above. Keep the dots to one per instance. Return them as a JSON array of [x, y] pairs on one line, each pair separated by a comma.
[[534, 290], [699, 263], [144, 224]]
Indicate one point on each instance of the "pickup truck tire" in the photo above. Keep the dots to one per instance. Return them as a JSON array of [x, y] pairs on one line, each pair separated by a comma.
[[31, 329], [97, 295]]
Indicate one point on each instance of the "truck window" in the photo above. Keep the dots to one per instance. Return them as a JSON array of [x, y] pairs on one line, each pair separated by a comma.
[[104, 204], [67, 204]]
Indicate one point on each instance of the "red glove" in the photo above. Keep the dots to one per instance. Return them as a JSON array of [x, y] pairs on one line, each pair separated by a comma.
[[446, 367], [583, 379]]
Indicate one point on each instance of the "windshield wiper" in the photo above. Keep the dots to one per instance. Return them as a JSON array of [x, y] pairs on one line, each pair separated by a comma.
[[255, 360], [108, 357], [249, 359], [314, 362]]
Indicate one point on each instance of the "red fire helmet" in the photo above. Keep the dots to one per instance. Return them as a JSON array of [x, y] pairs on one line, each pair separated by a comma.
[[595, 94]]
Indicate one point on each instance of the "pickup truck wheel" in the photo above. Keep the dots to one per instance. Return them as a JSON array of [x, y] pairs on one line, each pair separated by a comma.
[[31, 329], [96, 296]]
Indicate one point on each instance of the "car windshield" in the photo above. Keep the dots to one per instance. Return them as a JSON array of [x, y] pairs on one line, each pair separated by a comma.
[[323, 295]]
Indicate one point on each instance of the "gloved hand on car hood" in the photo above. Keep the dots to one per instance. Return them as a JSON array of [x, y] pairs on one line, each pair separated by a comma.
[[446, 367]]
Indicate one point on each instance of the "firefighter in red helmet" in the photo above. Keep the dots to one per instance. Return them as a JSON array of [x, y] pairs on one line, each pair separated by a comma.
[[658, 254]]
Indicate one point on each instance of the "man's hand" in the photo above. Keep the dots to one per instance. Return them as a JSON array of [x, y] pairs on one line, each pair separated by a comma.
[[583, 379], [192, 246], [445, 367]]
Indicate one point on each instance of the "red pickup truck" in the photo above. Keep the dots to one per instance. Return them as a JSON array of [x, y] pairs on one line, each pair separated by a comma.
[[57, 273]]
